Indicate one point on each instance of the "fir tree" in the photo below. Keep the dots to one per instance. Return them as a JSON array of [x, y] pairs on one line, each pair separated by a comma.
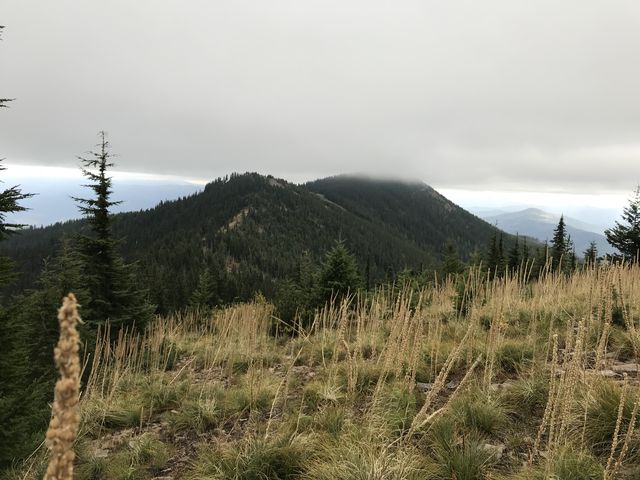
[[500, 260], [112, 286], [572, 258], [9, 203], [205, 294], [451, 264], [475, 258], [591, 253], [493, 255], [298, 297], [514, 255], [559, 243], [339, 274], [525, 250], [626, 236]]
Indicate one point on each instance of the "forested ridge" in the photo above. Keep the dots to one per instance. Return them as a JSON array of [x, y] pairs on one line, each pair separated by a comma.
[[250, 230]]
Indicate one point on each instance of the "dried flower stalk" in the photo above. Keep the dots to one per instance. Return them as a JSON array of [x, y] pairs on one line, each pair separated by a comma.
[[65, 420]]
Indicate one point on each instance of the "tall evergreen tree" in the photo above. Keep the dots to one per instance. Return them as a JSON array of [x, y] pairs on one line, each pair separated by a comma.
[[514, 255], [626, 236], [591, 253], [339, 274], [493, 255], [475, 258], [525, 250], [501, 263], [205, 295], [451, 264], [114, 294], [559, 243], [572, 258]]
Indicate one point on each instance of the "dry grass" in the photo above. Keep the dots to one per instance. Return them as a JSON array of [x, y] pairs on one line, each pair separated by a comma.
[[511, 380]]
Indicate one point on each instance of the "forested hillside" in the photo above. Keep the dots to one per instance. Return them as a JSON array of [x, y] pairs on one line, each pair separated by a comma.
[[249, 230], [412, 210]]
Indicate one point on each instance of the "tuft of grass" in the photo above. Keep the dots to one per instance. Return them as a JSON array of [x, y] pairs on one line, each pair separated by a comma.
[[480, 411], [396, 409], [251, 459], [576, 465], [622, 343], [602, 407], [163, 393], [331, 419], [122, 415], [367, 460], [318, 393], [514, 355], [566, 464], [458, 457], [149, 452], [201, 415], [142, 458], [527, 395]]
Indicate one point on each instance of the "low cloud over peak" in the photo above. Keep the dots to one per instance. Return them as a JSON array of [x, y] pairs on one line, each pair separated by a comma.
[[460, 94]]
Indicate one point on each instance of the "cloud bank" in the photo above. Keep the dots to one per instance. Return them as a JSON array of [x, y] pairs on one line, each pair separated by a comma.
[[461, 94]]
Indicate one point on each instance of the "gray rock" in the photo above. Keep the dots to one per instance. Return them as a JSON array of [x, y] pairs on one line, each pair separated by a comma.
[[424, 387], [630, 368], [495, 450]]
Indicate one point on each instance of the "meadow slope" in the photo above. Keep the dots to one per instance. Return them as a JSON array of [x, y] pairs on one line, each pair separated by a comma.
[[502, 379]]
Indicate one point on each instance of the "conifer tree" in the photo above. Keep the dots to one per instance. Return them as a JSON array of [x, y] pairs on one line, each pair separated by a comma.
[[475, 258], [626, 236], [451, 264], [501, 262], [591, 253], [514, 255], [559, 243], [525, 250], [339, 274], [113, 291], [205, 294], [493, 255]]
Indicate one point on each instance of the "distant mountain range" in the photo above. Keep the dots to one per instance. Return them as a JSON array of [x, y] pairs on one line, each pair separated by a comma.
[[251, 230], [539, 224]]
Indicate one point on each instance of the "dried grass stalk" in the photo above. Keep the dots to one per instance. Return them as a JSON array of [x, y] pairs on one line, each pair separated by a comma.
[[65, 420]]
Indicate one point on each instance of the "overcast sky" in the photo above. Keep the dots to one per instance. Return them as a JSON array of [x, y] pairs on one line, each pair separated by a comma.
[[484, 95]]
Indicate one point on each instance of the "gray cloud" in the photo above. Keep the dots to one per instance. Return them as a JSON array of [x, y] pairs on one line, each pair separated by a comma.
[[466, 94]]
